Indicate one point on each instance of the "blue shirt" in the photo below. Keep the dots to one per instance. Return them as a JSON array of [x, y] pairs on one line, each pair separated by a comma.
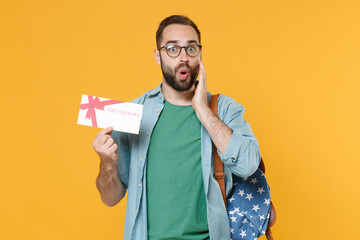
[[242, 158]]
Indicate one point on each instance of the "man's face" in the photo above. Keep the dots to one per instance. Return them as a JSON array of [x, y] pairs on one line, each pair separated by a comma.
[[179, 72]]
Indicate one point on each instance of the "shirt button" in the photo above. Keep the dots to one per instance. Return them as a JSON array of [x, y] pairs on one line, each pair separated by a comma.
[[157, 110], [148, 133], [140, 185], [142, 159], [137, 211]]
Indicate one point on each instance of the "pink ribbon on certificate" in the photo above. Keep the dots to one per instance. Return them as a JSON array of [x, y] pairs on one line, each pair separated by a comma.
[[94, 103]]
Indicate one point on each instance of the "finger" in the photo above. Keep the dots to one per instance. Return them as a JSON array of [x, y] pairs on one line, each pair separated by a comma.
[[202, 77], [100, 139], [103, 135], [113, 148], [107, 130], [110, 141]]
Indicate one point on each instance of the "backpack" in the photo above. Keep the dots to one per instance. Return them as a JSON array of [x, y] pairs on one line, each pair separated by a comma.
[[249, 206]]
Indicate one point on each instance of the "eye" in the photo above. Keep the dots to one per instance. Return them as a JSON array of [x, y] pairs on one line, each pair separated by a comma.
[[191, 49], [172, 48]]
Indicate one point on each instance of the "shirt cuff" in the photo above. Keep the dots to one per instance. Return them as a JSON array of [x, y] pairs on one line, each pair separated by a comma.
[[241, 163]]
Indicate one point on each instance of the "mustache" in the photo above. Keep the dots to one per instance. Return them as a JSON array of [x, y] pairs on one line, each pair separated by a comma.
[[186, 65]]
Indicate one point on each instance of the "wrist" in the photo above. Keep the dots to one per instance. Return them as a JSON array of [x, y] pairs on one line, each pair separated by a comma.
[[107, 164], [204, 112]]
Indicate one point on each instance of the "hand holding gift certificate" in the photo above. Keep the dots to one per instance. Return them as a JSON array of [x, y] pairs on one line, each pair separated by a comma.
[[102, 113]]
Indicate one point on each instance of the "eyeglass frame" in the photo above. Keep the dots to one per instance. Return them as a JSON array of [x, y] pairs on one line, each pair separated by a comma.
[[181, 47]]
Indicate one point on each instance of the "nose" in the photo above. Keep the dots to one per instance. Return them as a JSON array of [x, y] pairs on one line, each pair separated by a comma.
[[183, 55]]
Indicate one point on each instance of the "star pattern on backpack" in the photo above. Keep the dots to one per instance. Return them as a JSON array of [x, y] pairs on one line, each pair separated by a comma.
[[249, 207]]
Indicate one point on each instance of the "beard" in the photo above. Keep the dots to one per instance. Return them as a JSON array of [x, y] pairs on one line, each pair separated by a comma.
[[176, 83]]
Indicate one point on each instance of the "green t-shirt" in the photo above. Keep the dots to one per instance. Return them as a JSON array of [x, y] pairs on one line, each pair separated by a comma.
[[176, 204]]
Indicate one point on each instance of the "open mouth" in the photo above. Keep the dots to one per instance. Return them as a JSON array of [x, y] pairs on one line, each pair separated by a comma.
[[183, 73]]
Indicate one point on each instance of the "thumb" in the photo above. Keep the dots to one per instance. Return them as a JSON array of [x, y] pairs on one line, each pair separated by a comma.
[[107, 130]]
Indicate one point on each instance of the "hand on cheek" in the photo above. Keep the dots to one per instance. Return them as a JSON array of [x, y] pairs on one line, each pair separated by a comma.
[[200, 98]]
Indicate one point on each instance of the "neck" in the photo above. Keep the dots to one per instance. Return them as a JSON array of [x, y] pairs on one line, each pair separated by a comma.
[[182, 98]]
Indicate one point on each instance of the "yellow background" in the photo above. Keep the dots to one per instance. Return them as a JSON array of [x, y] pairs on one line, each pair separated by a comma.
[[294, 66]]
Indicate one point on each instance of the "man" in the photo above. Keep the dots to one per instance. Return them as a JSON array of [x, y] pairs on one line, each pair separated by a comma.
[[168, 168]]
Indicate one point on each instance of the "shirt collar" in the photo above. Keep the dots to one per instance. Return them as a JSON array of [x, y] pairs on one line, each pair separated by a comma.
[[155, 91]]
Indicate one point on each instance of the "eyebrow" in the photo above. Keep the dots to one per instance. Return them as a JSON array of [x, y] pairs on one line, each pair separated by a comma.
[[177, 41]]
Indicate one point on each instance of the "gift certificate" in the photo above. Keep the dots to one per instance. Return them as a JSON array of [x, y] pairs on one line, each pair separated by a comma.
[[102, 113]]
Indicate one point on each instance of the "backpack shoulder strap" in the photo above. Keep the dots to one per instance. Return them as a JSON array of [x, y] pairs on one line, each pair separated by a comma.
[[219, 173]]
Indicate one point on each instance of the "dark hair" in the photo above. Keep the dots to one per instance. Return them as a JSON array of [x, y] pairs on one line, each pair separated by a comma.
[[174, 19]]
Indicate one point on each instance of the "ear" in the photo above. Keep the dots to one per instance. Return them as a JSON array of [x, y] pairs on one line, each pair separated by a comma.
[[157, 56]]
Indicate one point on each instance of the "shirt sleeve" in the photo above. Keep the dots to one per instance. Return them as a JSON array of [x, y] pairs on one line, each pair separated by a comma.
[[121, 139], [242, 155]]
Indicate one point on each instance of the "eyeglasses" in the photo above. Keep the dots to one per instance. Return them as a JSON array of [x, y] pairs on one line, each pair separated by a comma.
[[192, 50]]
